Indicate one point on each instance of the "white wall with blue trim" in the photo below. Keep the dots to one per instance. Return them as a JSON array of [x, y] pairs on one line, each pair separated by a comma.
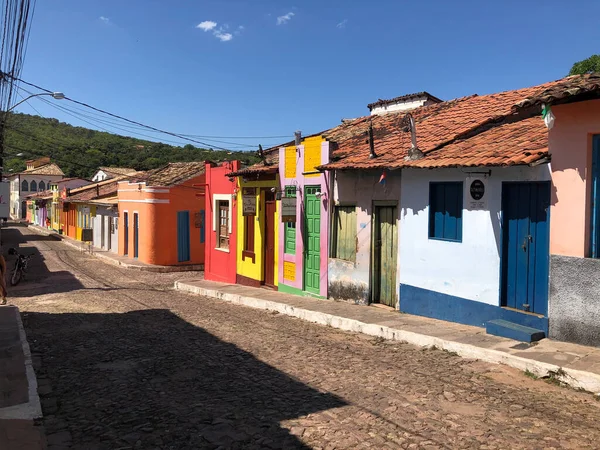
[[450, 279]]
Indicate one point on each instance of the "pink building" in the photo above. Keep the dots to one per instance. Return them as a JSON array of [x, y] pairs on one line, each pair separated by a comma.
[[305, 205], [574, 146]]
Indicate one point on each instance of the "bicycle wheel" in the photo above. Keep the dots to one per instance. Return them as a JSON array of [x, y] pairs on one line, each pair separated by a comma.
[[16, 277]]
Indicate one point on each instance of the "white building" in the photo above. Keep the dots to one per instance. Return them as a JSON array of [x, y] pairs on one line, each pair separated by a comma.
[[403, 103], [106, 173], [38, 176]]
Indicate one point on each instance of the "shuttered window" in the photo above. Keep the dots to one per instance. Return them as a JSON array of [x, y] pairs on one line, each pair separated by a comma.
[[344, 233], [445, 211], [290, 162]]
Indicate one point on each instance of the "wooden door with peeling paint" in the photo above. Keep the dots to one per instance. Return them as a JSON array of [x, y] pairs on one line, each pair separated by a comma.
[[385, 255]]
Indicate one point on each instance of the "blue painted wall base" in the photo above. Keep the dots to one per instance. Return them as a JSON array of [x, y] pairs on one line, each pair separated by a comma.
[[423, 302]]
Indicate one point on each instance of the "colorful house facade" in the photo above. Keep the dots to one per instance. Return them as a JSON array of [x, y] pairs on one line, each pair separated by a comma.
[[470, 234], [81, 208], [258, 223], [37, 177], [160, 215], [59, 189], [220, 221], [305, 211], [572, 108]]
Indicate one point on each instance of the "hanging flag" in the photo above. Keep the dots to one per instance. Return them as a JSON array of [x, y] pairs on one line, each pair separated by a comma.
[[382, 178]]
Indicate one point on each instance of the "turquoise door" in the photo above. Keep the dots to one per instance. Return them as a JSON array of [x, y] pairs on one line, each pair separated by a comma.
[[525, 246], [312, 240], [183, 236]]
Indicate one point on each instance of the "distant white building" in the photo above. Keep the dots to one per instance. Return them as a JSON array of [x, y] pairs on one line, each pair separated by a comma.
[[403, 103], [38, 177], [106, 173]]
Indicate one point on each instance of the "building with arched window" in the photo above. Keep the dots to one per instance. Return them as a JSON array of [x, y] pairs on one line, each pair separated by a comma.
[[40, 173]]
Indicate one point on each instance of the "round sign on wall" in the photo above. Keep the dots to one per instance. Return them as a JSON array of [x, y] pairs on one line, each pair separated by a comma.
[[477, 189]]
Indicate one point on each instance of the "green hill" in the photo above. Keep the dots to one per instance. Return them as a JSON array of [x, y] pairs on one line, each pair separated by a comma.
[[80, 151]]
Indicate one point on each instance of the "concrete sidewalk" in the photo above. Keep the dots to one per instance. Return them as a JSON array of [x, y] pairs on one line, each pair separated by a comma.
[[575, 365], [113, 258], [19, 400]]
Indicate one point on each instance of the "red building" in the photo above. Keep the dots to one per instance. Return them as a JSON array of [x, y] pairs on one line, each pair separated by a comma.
[[221, 222]]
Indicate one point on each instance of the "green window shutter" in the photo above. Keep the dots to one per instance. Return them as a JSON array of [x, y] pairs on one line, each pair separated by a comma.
[[289, 231], [345, 233]]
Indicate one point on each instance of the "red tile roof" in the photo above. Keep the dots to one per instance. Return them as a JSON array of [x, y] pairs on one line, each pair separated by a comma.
[[439, 125], [569, 89], [93, 191], [486, 130], [40, 195], [522, 142], [170, 175], [270, 165]]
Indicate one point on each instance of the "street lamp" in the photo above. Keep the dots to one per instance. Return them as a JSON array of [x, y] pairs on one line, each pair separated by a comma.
[[55, 95]]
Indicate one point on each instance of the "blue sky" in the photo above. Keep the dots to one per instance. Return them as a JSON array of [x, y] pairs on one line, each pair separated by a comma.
[[269, 67]]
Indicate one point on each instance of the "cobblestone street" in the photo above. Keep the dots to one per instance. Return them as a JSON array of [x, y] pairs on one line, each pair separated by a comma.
[[123, 362]]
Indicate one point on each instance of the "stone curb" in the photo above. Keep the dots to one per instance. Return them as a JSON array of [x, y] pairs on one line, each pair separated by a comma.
[[115, 262], [575, 378], [33, 408]]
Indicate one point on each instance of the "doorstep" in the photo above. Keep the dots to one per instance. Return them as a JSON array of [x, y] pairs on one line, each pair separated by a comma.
[[575, 365], [113, 258]]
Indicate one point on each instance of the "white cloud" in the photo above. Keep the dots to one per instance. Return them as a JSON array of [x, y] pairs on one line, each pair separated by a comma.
[[106, 20], [342, 24], [223, 37], [207, 25], [221, 32], [282, 20], [239, 30]]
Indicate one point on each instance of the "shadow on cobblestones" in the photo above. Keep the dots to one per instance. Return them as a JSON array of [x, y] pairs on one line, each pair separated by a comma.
[[39, 280], [123, 380]]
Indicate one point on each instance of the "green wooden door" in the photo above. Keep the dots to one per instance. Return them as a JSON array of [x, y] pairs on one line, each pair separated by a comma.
[[385, 256], [312, 240]]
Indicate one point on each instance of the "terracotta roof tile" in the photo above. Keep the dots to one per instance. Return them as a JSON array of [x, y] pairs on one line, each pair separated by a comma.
[[487, 126], [437, 126], [94, 191], [46, 169], [172, 174], [40, 195], [573, 88], [272, 164], [117, 170]]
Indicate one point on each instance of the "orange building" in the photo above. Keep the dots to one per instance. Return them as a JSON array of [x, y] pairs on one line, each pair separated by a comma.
[[161, 215]]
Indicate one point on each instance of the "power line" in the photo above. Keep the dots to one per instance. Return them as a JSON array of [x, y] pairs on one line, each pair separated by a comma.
[[125, 119], [158, 130]]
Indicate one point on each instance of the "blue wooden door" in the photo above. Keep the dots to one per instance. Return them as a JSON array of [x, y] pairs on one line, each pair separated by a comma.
[[126, 233], [525, 246], [136, 227], [183, 236]]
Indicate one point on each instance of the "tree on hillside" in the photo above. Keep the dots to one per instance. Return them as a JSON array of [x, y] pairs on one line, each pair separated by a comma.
[[589, 65]]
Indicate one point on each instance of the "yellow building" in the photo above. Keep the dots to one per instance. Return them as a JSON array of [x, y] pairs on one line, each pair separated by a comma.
[[257, 223]]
